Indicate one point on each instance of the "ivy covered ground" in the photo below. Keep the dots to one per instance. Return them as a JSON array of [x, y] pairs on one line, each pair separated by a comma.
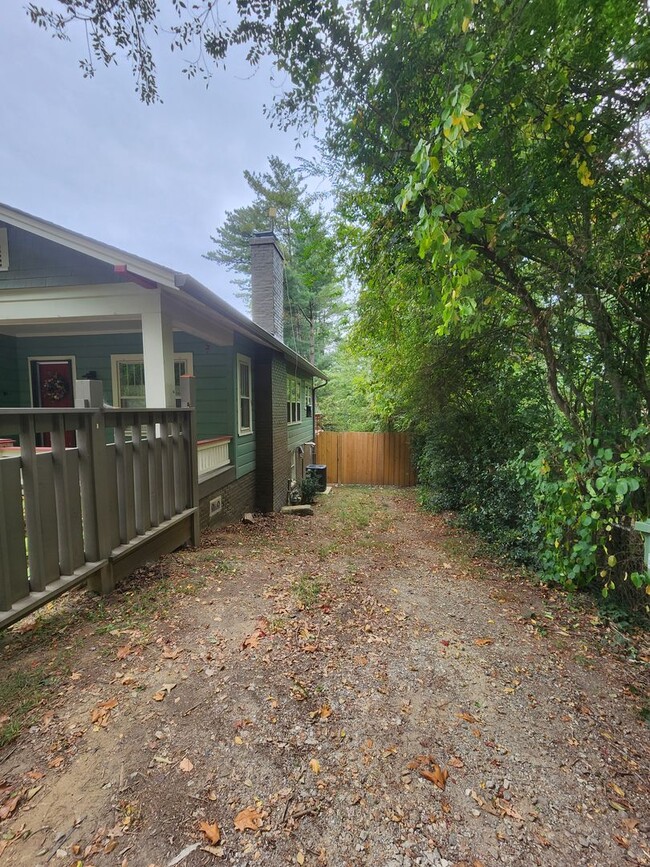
[[362, 687]]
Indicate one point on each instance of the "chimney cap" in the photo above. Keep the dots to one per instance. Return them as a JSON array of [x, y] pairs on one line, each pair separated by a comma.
[[260, 238]]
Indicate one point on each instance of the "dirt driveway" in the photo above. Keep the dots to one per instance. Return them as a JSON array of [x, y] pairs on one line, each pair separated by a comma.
[[355, 688]]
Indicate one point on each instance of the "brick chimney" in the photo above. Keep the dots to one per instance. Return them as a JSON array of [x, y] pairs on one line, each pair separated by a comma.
[[267, 279]]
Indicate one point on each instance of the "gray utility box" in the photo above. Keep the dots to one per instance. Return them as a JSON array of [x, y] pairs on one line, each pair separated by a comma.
[[319, 472]]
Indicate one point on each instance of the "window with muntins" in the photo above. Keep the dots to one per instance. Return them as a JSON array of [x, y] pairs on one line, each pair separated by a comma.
[[244, 395], [308, 400], [293, 400], [128, 379]]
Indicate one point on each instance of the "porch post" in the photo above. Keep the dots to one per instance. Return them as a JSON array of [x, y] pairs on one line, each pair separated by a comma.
[[158, 352]]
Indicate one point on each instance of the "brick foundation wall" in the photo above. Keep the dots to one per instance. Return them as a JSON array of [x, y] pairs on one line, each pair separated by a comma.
[[237, 498]]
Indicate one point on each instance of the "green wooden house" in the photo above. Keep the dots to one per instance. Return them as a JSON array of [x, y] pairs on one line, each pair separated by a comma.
[[74, 308]]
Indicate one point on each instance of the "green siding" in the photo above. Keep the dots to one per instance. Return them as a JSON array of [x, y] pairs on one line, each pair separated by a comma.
[[302, 432], [90, 352], [212, 367], [215, 399], [37, 262], [245, 446], [9, 393]]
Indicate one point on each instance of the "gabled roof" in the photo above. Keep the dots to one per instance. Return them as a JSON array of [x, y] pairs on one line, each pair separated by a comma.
[[150, 271]]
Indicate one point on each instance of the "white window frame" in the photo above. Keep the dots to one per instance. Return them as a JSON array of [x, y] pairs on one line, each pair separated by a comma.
[[136, 358], [294, 400], [244, 360], [309, 402]]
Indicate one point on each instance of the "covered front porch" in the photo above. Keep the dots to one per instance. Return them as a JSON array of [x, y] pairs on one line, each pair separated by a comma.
[[137, 340]]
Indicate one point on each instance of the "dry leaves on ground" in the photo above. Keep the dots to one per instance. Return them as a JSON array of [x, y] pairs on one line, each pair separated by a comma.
[[101, 713], [211, 831], [248, 819]]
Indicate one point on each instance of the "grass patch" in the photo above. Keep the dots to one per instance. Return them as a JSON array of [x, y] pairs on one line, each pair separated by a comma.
[[20, 694], [307, 590]]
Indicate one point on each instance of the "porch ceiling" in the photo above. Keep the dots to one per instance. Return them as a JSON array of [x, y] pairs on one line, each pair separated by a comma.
[[70, 326]]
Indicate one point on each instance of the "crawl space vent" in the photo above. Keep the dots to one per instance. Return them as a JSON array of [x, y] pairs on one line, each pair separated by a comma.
[[4, 251]]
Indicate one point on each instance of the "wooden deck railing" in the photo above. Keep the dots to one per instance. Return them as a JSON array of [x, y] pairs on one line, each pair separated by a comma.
[[97, 511]]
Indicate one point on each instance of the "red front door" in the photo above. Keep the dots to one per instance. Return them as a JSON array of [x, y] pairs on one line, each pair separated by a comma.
[[52, 389]]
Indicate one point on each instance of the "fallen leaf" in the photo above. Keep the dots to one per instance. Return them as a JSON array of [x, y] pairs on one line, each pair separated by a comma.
[[102, 712], [437, 776], [630, 824], [467, 717], [622, 841], [310, 648], [314, 764], [123, 652], [8, 807], [300, 857], [239, 741], [33, 791], [170, 652], [35, 775], [617, 790], [186, 766], [248, 819], [483, 642], [324, 711], [164, 690], [509, 810], [212, 832], [455, 762]]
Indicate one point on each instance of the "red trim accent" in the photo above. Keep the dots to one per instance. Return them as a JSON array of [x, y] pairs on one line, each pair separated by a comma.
[[123, 270], [213, 440]]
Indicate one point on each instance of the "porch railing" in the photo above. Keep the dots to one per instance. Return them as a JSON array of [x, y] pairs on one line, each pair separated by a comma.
[[96, 511]]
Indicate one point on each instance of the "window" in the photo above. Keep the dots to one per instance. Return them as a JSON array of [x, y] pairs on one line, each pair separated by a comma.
[[308, 400], [128, 379], [244, 395], [293, 400]]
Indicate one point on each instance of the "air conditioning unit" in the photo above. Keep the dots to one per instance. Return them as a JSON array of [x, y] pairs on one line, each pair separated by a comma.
[[319, 471]]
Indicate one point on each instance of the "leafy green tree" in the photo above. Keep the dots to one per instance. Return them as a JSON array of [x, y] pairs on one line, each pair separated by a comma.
[[313, 303], [347, 402]]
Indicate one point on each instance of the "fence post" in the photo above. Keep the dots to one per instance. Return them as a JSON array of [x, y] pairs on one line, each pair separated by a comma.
[[91, 443], [188, 401]]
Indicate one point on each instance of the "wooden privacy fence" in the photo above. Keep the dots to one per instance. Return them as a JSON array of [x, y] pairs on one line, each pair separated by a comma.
[[366, 458], [97, 511]]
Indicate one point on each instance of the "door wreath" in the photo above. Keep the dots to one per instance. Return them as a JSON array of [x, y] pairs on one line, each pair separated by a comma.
[[55, 387]]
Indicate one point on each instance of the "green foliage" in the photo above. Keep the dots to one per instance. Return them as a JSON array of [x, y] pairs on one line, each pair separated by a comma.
[[478, 407], [314, 307], [309, 488], [347, 402], [586, 509]]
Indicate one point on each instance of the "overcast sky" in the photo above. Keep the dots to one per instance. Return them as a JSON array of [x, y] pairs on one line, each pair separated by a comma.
[[153, 180]]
